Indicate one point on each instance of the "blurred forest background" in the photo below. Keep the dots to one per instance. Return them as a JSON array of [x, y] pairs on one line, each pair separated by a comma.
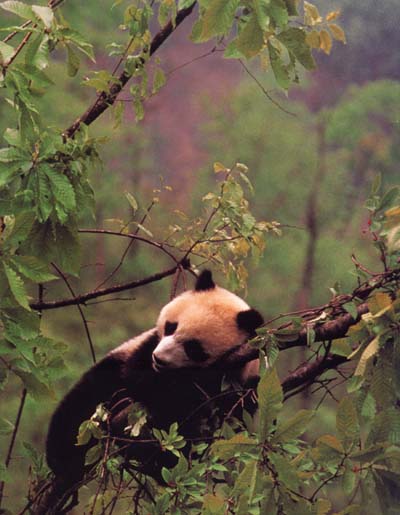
[[311, 158]]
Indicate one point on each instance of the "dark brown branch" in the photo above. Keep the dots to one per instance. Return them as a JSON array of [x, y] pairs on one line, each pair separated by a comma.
[[85, 324], [106, 99], [13, 438], [82, 299], [307, 373], [331, 330]]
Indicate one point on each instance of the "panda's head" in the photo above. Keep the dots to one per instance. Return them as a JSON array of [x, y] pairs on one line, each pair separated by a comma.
[[200, 326]]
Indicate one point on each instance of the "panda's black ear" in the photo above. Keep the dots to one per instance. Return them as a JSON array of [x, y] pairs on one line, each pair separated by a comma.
[[249, 320], [204, 281]]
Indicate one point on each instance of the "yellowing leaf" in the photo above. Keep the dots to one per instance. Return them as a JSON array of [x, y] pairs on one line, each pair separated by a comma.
[[251, 39], [219, 167], [337, 32], [333, 15], [313, 39], [370, 351], [378, 302], [312, 15], [326, 41]]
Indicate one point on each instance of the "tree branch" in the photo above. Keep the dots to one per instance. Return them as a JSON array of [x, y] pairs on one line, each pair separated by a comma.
[[82, 299], [105, 100]]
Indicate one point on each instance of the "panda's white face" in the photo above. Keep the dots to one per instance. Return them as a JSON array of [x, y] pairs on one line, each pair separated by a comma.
[[200, 326]]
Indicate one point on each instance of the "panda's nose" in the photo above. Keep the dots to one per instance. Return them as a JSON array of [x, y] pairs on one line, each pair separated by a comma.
[[158, 361]]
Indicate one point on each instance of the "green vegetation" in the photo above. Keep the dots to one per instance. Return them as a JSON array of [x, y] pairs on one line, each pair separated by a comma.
[[62, 177]]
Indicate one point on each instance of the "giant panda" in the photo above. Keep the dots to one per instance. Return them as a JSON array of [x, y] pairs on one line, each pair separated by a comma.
[[174, 371]]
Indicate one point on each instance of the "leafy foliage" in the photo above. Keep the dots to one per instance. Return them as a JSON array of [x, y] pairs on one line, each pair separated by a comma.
[[263, 464]]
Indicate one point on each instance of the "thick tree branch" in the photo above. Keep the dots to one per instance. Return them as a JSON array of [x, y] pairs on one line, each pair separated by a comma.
[[82, 299], [106, 99]]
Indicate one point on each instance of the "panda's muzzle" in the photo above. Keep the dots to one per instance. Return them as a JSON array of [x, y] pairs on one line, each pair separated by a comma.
[[158, 363]]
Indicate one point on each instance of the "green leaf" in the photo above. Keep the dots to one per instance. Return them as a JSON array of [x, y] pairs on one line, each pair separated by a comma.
[[389, 199], [261, 8], [61, 187], [225, 449], [294, 427], [44, 14], [159, 80], [6, 51], [37, 52], [294, 40], [80, 41], [218, 18], [369, 352], [291, 6], [68, 249], [73, 61], [279, 13], [278, 67], [17, 286], [270, 398], [32, 268], [19, 8], [6, 427], [347, 424], [251, 38], [94, 454]]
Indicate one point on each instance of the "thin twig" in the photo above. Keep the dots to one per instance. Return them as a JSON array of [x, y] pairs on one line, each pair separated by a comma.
[[107, 99], [266, 93], [85, 324], [13, 438]]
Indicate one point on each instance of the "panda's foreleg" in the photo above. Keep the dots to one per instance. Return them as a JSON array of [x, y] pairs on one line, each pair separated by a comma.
[[64, 457]]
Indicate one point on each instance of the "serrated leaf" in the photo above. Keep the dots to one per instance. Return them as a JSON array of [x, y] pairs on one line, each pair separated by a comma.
[[294, 40], [35, 386], [17, 286], [218, 18], [347, 424], [61, 187], [73, 61], [278, 67], [32, 268], [251, 38], [19, 8], [270, 398], [337, 32], [294, 427]]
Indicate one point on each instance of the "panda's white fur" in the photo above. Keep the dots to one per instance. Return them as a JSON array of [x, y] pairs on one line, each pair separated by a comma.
[[172, 370]]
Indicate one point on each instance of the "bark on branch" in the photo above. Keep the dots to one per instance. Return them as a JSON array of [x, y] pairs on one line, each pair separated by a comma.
[[82, 299], [106, 99]]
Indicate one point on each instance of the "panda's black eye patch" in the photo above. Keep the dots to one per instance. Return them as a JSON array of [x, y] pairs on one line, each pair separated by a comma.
[[170, 328], [194, 350]]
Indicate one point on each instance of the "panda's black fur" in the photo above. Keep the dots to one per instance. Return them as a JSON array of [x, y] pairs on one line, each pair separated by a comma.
[[169, 392]]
